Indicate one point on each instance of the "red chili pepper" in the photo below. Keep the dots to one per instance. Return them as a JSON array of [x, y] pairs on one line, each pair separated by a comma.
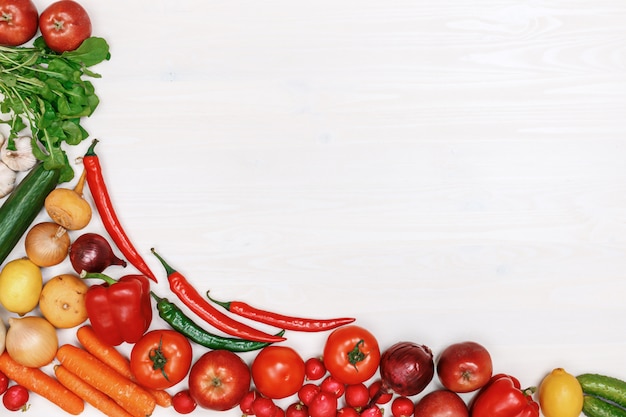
[[200, 306], [281, 321], [503, 397], [100, 194], [119, 311]]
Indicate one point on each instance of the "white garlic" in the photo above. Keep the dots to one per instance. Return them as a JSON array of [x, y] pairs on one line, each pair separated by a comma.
[[22, 158], [7, 179]]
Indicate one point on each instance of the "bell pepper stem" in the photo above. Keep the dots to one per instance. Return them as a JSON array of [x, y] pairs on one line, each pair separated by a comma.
[[86, 275]]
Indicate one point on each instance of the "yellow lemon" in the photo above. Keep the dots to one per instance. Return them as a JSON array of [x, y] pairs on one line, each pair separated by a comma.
[[560, 395], [20, 286]]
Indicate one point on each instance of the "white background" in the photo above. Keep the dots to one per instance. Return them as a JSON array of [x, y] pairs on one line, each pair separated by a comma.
[[441, 171]]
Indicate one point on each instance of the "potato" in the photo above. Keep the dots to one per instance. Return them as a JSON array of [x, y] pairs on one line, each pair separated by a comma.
[[62, 301]]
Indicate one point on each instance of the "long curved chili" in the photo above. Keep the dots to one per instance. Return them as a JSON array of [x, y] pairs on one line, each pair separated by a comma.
[[281, 321], [178, 321], [209, 313], [102, 201]]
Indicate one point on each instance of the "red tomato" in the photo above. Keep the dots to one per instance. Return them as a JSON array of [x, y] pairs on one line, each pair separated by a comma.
[[161, 359], [219, 380], [278, 371], [351, 354], [441, 403], [64, 25], [464, 367], [183, 403], [18, 22]]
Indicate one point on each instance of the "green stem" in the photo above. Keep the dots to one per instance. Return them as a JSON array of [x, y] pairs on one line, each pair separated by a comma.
[[97, 275]]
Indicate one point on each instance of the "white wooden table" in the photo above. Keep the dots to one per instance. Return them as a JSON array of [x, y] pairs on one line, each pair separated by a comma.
[[442, 171]]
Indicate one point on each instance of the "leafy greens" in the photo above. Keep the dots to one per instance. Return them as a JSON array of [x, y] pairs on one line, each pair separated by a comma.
[[48, 93]]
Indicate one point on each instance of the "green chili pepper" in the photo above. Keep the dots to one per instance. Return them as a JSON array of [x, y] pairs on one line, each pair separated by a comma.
[[175, 317]]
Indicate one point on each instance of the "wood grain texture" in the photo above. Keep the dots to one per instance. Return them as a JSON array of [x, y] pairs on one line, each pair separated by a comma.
[[442, 171]]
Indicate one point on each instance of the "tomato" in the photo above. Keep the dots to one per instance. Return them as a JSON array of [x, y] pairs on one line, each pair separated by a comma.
[[464, 367], [161, 359], [64, 25], [278, 371], [219, 380], [351, 354], [560, 395], [16, 398], [183, 403], [18, 22]]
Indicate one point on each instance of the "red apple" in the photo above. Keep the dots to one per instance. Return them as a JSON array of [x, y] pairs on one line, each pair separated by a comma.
[[219, 380], [441, 403], [464, 367]]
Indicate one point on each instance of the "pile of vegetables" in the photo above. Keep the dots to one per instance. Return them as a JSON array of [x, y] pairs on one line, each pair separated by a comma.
[[45, 94]]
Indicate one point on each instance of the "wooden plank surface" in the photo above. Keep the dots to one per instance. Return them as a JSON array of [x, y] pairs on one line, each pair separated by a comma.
[[443, 171]]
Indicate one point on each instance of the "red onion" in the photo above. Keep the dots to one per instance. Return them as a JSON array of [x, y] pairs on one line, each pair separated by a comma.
[[92, 253], [406, 368]]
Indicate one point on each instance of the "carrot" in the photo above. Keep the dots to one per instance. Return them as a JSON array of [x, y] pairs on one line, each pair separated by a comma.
[[112, 357], [130, 396], [88, 393], [39, 382]]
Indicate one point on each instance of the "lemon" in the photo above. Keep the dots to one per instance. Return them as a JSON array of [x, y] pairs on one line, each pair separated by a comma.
[[560, 394], [20, 286]]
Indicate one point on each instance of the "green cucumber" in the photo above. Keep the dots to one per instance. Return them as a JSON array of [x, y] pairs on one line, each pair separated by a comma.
[[605, 387], [597, 407], [24, 204]]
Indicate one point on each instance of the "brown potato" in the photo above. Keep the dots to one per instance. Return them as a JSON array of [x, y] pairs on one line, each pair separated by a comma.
[[62, 301]]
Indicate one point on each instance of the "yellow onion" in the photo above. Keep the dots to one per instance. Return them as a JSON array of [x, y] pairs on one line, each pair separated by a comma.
[[31, 341], [3, 334], [47, 244]]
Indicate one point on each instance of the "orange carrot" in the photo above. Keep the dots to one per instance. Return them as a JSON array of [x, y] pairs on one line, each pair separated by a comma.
[[112, 357], [88, 393], [39, 382], [130, 396]]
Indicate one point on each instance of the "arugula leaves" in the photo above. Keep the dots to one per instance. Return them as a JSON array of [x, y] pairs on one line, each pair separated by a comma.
[[48, 93]]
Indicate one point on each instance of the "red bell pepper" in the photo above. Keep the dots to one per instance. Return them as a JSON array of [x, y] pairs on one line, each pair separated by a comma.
[[503, 397], [119, 311]]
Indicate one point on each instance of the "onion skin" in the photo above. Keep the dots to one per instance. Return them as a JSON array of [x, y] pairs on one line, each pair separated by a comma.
[[47, 244], [31, 341], [92, 253], [406, 368]]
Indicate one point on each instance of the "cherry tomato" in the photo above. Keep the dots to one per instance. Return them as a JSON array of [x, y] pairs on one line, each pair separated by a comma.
[[16, 398], [278, 371], [351, 354], [183, 403], [64, 25], [18, 22], [161, 359]]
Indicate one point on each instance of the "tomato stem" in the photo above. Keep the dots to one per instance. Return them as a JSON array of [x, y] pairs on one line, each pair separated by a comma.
[[158, 359], [356, 355]]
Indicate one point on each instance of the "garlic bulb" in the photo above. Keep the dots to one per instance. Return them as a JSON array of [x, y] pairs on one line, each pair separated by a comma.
[[20, 159], [7, 179]]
